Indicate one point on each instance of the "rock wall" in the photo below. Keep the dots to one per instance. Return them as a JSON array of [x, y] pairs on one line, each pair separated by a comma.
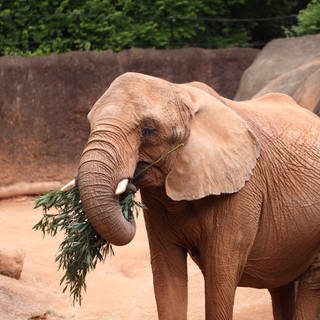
[[44, 102], [290, 66]]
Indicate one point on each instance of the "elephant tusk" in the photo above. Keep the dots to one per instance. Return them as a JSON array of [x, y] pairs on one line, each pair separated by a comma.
[[122, 186], [71, 184]]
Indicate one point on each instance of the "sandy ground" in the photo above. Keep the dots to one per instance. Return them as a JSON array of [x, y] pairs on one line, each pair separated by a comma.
[[121, 288]]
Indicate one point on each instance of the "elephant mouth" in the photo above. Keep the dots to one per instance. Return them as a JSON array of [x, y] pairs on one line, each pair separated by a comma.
[[134, 183], [131, 189], [145, 175], [140, 170], [148, 174]]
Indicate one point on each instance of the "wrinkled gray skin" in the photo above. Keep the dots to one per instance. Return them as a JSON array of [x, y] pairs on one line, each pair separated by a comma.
[[242, 196]]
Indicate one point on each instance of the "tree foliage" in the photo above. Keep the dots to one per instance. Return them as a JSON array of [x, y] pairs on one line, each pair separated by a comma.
[[308, 20], [44, 26]]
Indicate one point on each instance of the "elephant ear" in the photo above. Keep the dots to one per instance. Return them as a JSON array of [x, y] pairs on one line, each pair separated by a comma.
[[219, 154]]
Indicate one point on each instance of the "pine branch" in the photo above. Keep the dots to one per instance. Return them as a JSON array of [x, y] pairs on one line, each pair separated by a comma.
[[82, 246]]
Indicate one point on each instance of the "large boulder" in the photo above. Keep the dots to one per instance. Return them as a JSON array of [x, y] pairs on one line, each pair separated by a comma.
[[11, 261], [308, 92], [290, 66], [26, 300], [44, 102]]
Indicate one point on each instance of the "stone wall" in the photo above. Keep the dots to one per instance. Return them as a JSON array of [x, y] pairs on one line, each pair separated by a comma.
[[290, 66], [44, 101]]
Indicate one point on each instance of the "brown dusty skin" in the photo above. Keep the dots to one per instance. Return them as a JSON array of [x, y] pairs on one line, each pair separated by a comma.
[[120, 289]]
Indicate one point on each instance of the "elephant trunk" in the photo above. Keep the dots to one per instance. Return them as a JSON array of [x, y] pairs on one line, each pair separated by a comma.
[[100, 171]]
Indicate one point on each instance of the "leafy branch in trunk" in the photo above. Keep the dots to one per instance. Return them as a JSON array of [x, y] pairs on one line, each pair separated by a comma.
[[82, 246]]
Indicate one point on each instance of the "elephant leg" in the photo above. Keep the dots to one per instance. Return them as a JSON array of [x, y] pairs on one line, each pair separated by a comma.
[[219, 296], [308, 293], [223, 257], [169, 269], [170, 284], [283, 301]]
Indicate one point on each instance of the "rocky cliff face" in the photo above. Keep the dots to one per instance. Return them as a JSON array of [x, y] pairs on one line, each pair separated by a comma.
[[290, 66]]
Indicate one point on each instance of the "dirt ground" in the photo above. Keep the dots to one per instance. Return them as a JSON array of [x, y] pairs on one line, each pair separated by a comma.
[[119, 289]]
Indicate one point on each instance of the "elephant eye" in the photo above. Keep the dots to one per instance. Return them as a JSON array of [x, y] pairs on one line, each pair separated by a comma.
[[147, 132]]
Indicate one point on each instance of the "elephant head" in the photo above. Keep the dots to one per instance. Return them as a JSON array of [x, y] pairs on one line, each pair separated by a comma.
[[138, 120]]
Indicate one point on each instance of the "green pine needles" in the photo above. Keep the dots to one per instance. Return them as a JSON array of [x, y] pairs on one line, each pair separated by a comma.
[[82, 246]]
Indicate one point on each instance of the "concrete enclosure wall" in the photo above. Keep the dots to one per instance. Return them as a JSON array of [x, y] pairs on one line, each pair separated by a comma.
[[290, 66], [44, 100]]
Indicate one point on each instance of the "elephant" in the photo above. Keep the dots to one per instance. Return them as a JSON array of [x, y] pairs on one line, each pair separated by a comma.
[[240, 193]]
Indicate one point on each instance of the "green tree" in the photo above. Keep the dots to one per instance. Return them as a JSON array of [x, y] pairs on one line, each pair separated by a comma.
[[40, 27], [308, 20], [268, 17], [34, 27]]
